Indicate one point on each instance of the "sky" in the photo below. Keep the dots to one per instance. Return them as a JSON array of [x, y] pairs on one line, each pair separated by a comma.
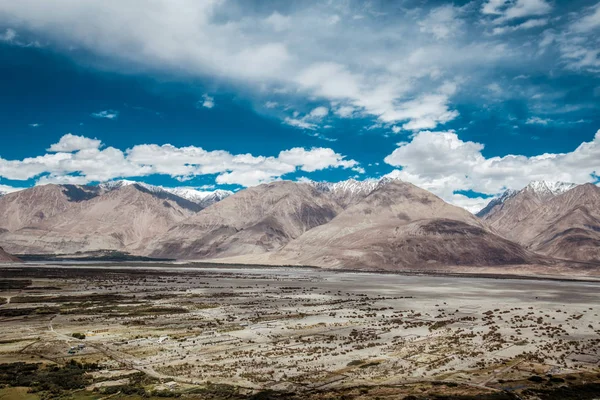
[[464, 98]]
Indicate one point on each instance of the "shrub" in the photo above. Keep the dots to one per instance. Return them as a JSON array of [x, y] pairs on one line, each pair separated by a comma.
[[536, 379]]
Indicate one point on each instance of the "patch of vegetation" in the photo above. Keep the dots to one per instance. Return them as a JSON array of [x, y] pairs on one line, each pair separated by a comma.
[[582, 392], [19, 312], [51, 379], [93, 298], [113, 256], [78, 335], [10, 284], [354, 363], [536, 379]]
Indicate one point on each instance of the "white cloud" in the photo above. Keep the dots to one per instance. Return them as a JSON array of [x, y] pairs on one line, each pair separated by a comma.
[[278, 22], [334, 19], [323, 137], [35, 125], [308, 121], [8, 36], [296, 54], [396, 129], [207, 101], [315, 159], [345, 111], [538, 121], [271, 104], [527, 8], [107, 114], [493, 6], [425, 112], [442, 22], [588, 22], [471, 204], [319, 112], [507, 10], [77, 159], [530, 24], [443, 163], [369, 66], [8, 189], [70, 143], [300, 123]]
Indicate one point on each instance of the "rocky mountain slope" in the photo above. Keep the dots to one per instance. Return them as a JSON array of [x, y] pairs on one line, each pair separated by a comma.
[[400, 225], [123, 218], [32, 206], [350, 191], [505, 213], [566, 226], [202, 198], [376, 224], [253, 221], [7, 258]]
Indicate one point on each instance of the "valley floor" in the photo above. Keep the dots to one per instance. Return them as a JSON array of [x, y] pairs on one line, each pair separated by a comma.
[[232, 332]]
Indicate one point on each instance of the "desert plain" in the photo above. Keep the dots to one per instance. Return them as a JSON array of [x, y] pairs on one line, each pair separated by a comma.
[[152, 330]]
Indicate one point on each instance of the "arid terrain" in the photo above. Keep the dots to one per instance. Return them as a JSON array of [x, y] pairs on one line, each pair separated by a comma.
[[94, 331]]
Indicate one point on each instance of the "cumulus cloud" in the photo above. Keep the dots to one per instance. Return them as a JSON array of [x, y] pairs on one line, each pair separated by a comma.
[[107, 114], [69, 143], [78, 160], [443, 163]]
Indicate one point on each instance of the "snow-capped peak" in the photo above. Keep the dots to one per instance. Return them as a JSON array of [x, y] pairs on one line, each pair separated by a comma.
[[543, 189], [350, 186], [204, 198], [113, 185], [549, 187], [199, 196], [508, 194]]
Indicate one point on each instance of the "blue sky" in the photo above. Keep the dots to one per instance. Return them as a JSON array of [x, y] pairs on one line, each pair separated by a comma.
[[463, 98]]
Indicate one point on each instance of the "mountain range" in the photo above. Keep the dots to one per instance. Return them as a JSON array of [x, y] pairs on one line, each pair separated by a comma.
[[557, 220], [373, 224]]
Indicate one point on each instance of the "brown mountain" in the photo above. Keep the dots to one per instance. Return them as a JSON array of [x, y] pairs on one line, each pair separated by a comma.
[[507, 212], [32, 206], [253, 221], [125, 219], [400, 225], [5, 257], [567, 226]]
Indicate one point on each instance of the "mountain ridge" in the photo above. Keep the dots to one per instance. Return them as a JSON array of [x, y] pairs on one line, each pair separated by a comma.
[[374, 224]]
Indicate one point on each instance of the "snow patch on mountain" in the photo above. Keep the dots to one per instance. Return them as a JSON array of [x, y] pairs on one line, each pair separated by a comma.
[[508, 194], [351, 186], [199, 196], [204, 198], [544, 190], [549, 187]]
